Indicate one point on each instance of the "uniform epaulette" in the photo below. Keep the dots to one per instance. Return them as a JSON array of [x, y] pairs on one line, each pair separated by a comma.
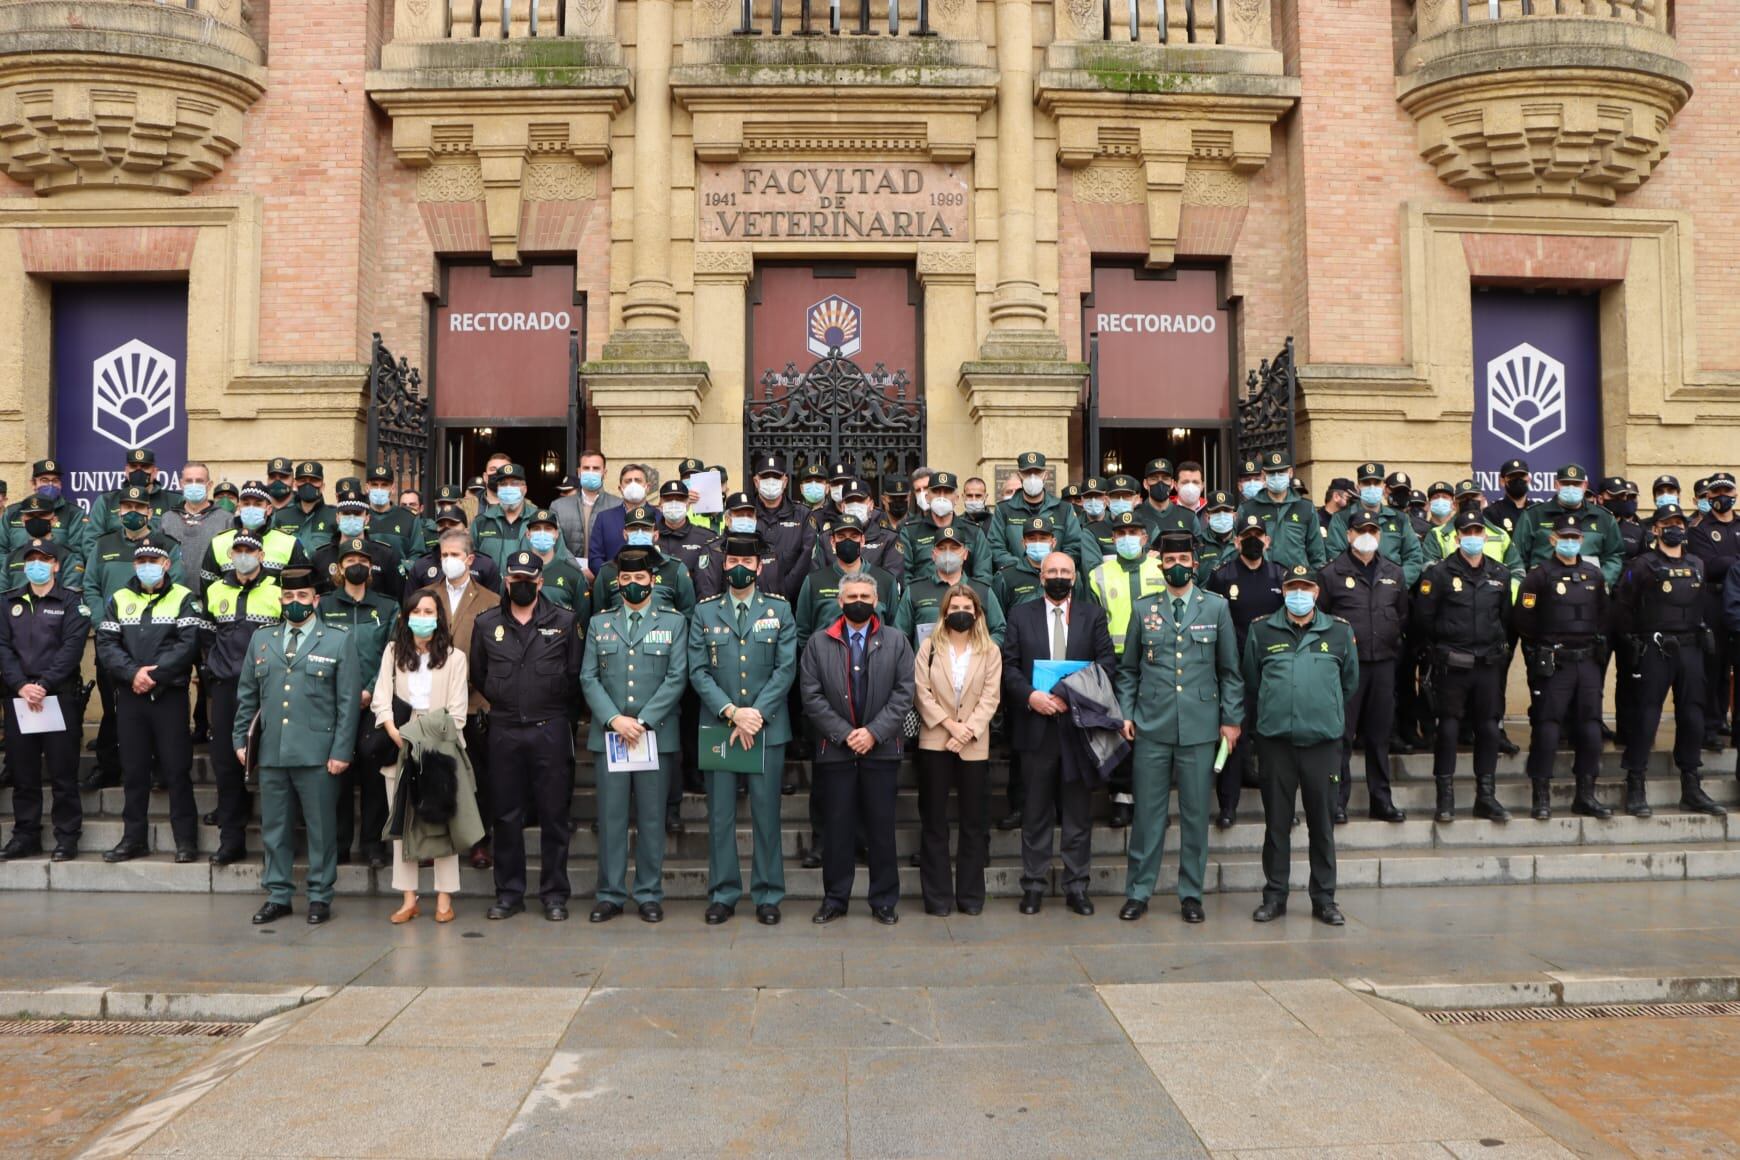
[[713, 599], [1342, 619], [779, 596]]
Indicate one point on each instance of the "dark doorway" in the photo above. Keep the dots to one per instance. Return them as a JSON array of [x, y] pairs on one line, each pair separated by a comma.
[[539, 450], [1128, 449]]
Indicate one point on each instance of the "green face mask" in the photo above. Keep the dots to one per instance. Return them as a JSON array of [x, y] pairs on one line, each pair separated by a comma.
[[1177, 575], [132, 521], [297, 611], [635, 593]]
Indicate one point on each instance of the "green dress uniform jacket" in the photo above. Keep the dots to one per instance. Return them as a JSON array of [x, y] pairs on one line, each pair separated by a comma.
[[1296, 536], [818, 603], [636, 673], [1397, 542], [106, 511], [1301, 677], [1530, 545], [922, 602], [369, 621], [672, 586], [309, 705], [1007, 529], [1170, 518], [398, 527], [311, 528], [918, 539], [754, 669], [496, 536], [565, 587]]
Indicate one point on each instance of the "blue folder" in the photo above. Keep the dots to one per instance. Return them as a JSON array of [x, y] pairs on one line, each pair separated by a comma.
[[1046, 674]]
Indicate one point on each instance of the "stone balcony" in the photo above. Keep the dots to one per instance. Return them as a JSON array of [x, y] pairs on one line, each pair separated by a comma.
[[123, 94], [1522, 99]]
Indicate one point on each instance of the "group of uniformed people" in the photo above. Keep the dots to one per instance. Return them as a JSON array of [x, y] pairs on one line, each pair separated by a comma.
[[1254, 639]]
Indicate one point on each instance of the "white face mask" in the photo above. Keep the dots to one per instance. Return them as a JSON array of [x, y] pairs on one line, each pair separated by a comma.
[[770, 489], [975, 506], [453, 567], [921, 500], [861, 510], [633, 493], [674, 510], [1189, 493], [837, 491], [941, 506], [1365, 542], [1033, 485]]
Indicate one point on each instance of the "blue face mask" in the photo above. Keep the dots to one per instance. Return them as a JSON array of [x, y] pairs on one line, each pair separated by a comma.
[[38, 571], [1439, 508], [1568, 549], [252, 518], [1220, 523], [813, 492], [1369, 496], [1250, 487], [1472, 545], [1129, 547], [541, 541], [1571, 496], [1704, 506], [1666, 498], [510, 496], [1119, 507], [49, 492], [150, 575], [195, 492], [1037, 550], [349, 526], [245, 563], [379, 497], [591, 480], [1094, 507], [1281, 481], [639, 538], [1300, 602], [743, 525]]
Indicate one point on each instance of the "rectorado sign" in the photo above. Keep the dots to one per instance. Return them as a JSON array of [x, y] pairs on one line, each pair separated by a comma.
[[772, 201]]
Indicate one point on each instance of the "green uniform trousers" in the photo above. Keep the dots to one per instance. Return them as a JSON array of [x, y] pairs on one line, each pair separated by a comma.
[[648, 788], [284, 790], [1155, 768], [766, 859]]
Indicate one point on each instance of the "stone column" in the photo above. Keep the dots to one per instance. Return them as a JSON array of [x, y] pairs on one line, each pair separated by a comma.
[[949, 275], [649, 311], [722, 274]]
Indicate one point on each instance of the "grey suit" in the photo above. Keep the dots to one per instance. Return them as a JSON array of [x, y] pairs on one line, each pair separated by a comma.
[[575, 520]]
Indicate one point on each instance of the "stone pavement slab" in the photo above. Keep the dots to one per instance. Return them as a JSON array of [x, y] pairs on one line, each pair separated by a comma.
[[480, 963], [1182, 1012], [683, 1017], [352, 1018], [1035, 1014], [525, 1017], [745, 966], [844, 1017], [956, 966]]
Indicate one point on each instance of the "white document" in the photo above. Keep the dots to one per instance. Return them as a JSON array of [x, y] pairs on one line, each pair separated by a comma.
[[45, 720], [711, 489], [631, 757], [924, 632]]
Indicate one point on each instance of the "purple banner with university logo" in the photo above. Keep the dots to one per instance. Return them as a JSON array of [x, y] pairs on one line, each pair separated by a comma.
[[120, 353], [1537, 386]]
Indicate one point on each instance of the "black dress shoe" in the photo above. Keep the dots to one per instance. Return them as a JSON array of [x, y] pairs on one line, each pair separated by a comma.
[[227, 854], [827, 913], [1268, 911], [884, 915], [98, 779], [972, 909], [556, 911], [1009, 821], [651, 912], [1328, 914], [1079, 904], [18, 849], [1191, 910], [1030, 901], [787, 789], [1506, 746], [673, 825], [604, 912], [767, 914], [64, 854], [377, 857], [718, 914], [1338, 816], [186, 854], [506, 909], [812, 859], [208, 819], [1387, 813], [912, 859], [1133, 909], [319, 913], [938, 911], [272, 912], [125, 852], [1122, 813], [1224, 820]]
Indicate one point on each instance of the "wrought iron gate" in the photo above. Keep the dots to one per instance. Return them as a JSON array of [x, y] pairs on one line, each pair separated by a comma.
[[835, 412], [400, 422], [1265, 421]]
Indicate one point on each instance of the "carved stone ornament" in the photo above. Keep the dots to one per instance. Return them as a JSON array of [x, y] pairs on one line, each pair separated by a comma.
[[451, 179], [558, 179], [1215, 187], [1110, 185], [724, 263], [589, 12], [1086, 16]]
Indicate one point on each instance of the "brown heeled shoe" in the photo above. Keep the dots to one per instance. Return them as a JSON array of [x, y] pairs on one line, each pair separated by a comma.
[[443, 913], [405, 914]]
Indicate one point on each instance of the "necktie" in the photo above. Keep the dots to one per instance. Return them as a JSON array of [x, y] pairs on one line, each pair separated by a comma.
[[634, 624], [1059, 635], [1178, 614], [742, 618], [858, 676], [295, 644]]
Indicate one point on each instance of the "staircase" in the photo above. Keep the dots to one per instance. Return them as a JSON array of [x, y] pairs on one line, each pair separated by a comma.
[[1370, 854]]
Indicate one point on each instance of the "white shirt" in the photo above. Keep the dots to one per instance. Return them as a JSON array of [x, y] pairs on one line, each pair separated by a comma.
[[455, 595], [959, 662], [1052, 609], [418, 683]]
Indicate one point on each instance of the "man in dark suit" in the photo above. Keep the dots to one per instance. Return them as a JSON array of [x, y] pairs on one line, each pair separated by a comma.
[[1053, 627], [606, 538]]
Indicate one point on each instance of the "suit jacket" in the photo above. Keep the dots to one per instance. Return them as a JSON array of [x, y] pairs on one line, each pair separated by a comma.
[[462, 620], [1027, 638], [934, 694], [606, 539], [570, 515], [308, 705]]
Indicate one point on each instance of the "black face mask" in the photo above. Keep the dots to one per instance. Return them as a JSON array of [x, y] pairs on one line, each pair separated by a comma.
[[36, 527], [1401, 499], [524, 592], [848, 551], [1251, 548], [1516, 488], [1623, 508], [1721, 503], [1160, 492], [1672, 536], [896, 507], [633, 593], [278, 489], [138, 479], [1059, 587], [740, 576], [357, 573], [959, 621], [307, 492], [858, 611]]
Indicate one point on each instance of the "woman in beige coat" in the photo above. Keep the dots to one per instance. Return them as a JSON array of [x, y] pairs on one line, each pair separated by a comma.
[[421, 668], [959, 679]]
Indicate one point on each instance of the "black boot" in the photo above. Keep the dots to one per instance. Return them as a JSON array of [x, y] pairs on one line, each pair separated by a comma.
[[1586, 803], [1486, 803], [1636, 799], [1693, 797], [1541, 807], [1446, 801]]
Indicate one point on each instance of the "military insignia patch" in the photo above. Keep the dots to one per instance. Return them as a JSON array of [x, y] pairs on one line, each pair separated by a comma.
[[1528, 600], [1425, 588], [1456, 583], [18, 609], [500, 633], [1350, 582]]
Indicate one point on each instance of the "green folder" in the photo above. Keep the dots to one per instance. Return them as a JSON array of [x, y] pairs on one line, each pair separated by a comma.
[[716, 751]]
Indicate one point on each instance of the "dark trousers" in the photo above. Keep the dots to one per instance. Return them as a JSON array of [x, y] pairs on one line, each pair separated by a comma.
[[234, 802], [108, 736], [689, 779], [1307, 773], [1624, 691], [1568, 702], [154, 728], [1016, 791], [1122, 779], [362, 780], [1681, 670], [1719, 689], [1238, 772], [1411, 718], [1474, 695], [26, 755], [1370, 714], [535, 759], [938, 772], [201, 708], [1051, 803], [477, 746], [850, 793]]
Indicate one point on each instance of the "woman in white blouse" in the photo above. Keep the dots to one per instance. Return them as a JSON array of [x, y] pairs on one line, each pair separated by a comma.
[[958, 683], [421, 668]]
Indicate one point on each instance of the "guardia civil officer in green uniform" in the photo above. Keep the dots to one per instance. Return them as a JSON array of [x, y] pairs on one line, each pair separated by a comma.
[[141, 472], [41, 516], [951, 555], [1301, 666], [564, 584], [238, 604], [633, 677], [1016, 514], [1118, 586], [304, 681], [918, 535], [308, 516], [500, 531], [1182, 692], [61, 519], [1020, 581], [821, 587], [369, 617], [1216, 545], [1531, 545], [1093, 510], [388, 522], [1295, 533], [742, 661], [1397, 542]]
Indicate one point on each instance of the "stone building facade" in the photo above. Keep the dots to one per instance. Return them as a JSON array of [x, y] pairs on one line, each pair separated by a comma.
[[962, 191]]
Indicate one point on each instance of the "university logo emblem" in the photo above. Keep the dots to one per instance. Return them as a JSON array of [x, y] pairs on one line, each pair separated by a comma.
[[133, 395], [834, 324], [1525, 397]]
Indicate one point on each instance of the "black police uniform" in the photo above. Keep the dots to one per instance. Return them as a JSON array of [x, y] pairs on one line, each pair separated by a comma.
[[786, 529], [1717, 544], [387, 567], [530, 674], [42, 640], [1561, 617], [1252, 594], [1461, 613], [1373, 598]]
